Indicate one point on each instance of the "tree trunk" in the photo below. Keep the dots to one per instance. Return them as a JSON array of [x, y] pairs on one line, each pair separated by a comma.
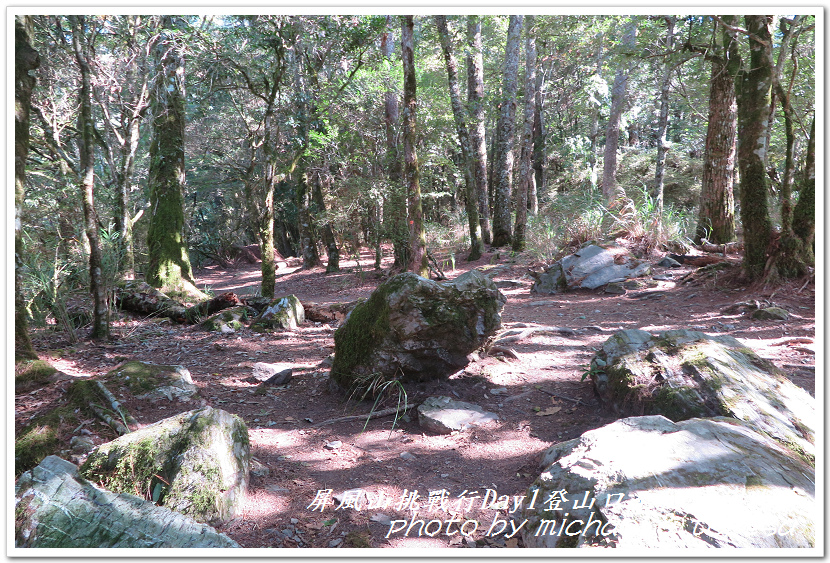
[[169, 264], [716, 220], [594, 131], [503, 167], [527, 178], [395, 210], [476, 246], [83, 54], [475, 97], [753, 120], [663, 122], [417, 239], [610, 189], [329, 240], [539, 136], [308, 239], [25, 59], [804, 213]]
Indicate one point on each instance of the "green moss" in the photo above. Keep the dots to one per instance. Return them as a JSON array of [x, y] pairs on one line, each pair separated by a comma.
[[31, 374], [357, 539], [367, 324]]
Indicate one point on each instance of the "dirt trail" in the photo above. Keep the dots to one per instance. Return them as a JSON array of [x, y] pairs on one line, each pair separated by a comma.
[[292, 460]]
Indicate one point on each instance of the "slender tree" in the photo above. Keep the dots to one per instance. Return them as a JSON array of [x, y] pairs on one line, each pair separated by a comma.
[[503, 167], [169, 264], [395, 211], [417, 239], [475, 97], [753, 120], [716, 219], [25, 59], [476, 246], [82, 45], [610, 189], [663, 122], [527, 178]]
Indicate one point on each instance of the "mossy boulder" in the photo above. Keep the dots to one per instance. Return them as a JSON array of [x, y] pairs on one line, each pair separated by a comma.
[[415, 329], [683, 374], [31, 374], [229, 320], [154, 381], [649, 483], [57, 508], [196, 463], [282, 313], [771, 314]]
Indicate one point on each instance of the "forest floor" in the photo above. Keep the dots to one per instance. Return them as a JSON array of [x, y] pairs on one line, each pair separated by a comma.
[[540, 398]]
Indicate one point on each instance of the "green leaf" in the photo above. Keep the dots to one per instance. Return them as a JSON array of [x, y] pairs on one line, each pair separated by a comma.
[[330, 522], [157, 492]]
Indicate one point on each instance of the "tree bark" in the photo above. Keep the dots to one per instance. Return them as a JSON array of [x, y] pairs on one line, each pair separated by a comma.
[[417, 239], [753, 120], [716, 219], [539, 136], [503, 167], [475, 99], [476, 246], [610, 190], [308, 238], [169, 264], [804, 213], [527, 178], [594, 131], [395, 211], [329, 240], [663, 122], [83, 55], [25, 59]]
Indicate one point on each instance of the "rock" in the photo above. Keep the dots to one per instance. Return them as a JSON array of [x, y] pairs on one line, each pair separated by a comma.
[[683, 374], [333, 445], [444, 415], [82, 444], [281, 314], [412, 328], [771, 314], [649, 483], [56, 508], [669, 262], [211, 306], [272, 374], [589, 268], [154, 381], [663, 277], [229, 320], [196, 462], [615, 287]]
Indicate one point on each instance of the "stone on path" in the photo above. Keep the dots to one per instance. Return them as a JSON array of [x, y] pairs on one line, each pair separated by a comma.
[[683, 374], [229, 320], [283, 313], [589, 268], [444, 415], [196, 462], [771, 314], [56, 508], [272, 374], [154, 381], [649, 483]]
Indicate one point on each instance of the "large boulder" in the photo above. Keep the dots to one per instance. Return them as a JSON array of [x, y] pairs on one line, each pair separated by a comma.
[[589, 267], [56, 507], [649, 483], [196, 462], [684, 374], [412, 328], [154, 381], [282, 313], [229, 320]]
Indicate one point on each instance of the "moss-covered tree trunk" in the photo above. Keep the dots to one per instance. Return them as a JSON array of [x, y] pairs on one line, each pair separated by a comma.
[[753, 120], [168, 266], [83, 56], [305, 221], [610, 189], [527, 178], [395, 212], [25, 59], [417, 239], [716, 218], [804, 213], [475, 97], [505, 131], [476, 245]]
